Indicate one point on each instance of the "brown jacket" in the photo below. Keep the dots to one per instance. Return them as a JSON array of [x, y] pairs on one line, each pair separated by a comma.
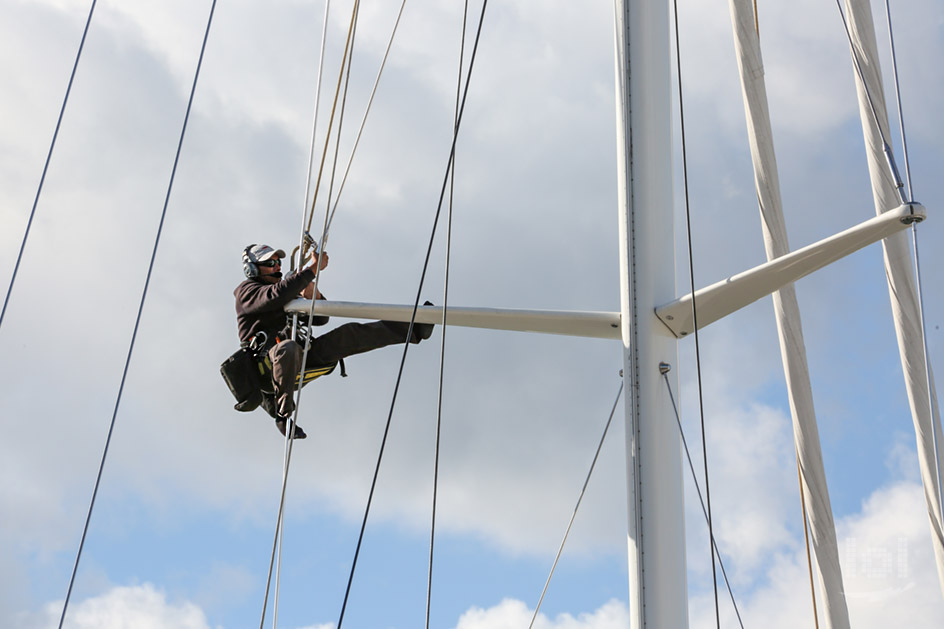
[[259, 304]]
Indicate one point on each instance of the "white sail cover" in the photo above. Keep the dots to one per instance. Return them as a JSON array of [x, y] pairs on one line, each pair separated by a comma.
[[792, 347], [898, 269]]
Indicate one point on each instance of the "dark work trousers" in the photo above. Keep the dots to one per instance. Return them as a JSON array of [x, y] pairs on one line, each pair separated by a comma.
[[325, 351]]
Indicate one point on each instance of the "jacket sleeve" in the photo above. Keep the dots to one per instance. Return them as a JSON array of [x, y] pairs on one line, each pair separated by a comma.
[[256, 297]]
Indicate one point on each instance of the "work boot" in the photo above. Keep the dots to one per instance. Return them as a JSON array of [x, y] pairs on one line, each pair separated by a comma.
[[282, 422], [422, 331]]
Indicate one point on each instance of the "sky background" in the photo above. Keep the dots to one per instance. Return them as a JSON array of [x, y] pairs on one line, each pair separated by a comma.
[[183, 525]]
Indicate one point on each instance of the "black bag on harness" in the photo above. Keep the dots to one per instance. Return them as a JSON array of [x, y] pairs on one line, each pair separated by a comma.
[[241, 373]]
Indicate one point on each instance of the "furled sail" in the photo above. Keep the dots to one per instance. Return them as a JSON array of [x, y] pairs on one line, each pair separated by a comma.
[[790, 330], [919, 381]]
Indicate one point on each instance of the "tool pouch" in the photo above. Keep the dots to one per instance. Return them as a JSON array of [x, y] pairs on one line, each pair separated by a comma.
[[241, 373]]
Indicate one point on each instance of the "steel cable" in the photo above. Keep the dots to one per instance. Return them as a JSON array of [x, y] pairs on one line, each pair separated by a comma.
[[442, 346], [42, 179], [137, 321], [691, 272], [701, 500], [583, 491], [886, 147], [917, 262]]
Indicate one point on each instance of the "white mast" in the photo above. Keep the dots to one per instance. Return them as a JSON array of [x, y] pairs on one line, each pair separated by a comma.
[[658, 594]]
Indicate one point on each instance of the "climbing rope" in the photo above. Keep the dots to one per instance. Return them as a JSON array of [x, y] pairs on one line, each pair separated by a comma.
[[290, 427], [42, 179], [416, 302], [137, 320], [691, 273], [664, 368], [344, 64], [583, 491], [360, 130], [287, 452]]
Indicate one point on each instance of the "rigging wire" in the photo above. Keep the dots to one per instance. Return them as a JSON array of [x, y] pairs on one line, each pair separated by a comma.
[[917, 264], [886, 148], [583, 491], [442, 346], [901, 116], [935, 421], [137, 321], [704, 509], [691, 271], [416, 302], [42, 179]]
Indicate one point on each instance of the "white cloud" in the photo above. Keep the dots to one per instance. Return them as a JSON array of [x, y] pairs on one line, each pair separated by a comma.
[[510, 614], [139, 606], [888, 571]]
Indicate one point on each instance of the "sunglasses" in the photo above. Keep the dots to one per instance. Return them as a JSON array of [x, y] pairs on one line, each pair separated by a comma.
[[270, 263]]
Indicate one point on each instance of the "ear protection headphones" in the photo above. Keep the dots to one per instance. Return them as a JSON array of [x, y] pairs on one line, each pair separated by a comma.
[[250, 268]]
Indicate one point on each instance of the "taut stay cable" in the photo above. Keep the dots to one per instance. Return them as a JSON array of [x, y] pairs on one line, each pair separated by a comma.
[[442, 346], [42, 179], [583, 490], [691, 272], [691, 467]]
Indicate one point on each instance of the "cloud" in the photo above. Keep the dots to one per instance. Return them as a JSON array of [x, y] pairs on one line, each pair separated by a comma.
[[888, 570], [511, 613], [141, 606]]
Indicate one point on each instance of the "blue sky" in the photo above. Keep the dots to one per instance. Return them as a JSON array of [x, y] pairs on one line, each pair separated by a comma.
[[183, 527]]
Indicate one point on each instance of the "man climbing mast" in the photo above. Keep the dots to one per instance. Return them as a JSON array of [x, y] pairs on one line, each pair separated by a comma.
[[263, 324]]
